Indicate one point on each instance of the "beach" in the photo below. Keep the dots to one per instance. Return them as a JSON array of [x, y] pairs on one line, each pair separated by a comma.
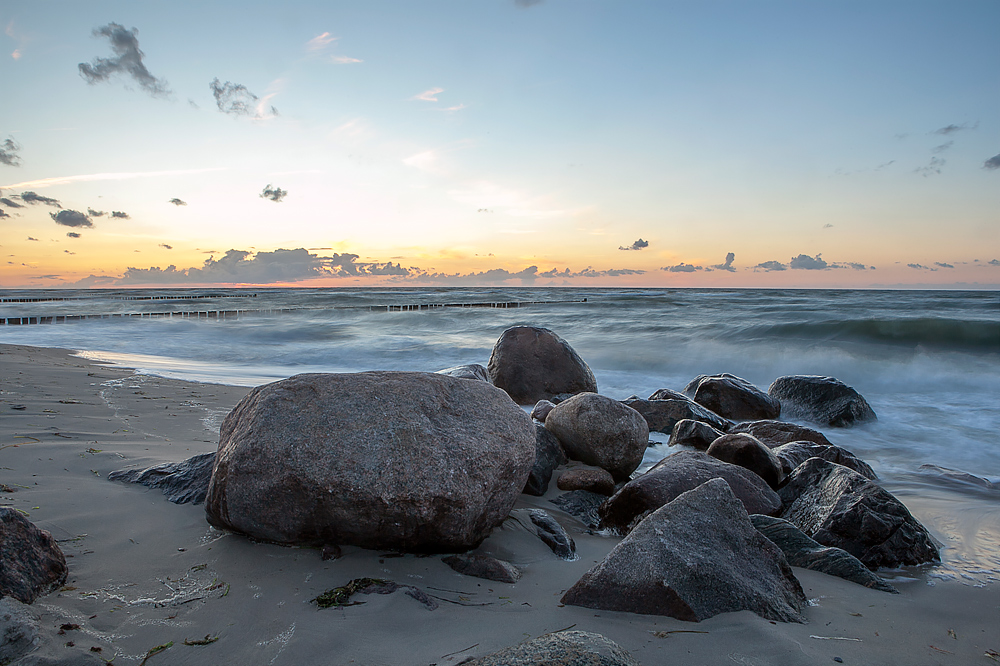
[[144, 572]]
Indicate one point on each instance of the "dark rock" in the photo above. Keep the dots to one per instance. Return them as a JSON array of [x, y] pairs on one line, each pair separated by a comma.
[[31, 563], [802, 551], [823, 400], [339, 597], [404, 461], [534, 364], [549, 454], [18, 630], [696, 434], [542, 409], [838, 507], [562, 648], [484, 566], [748, 451], [693, 558], [794, 454], [679, 473], [732, 397], [582, 504], [470, 371], [553, 534], [667, 394], [663, 415], [331, 552], [776, 433], [600, 431], [182, 482], [594, 480], [957, 477]]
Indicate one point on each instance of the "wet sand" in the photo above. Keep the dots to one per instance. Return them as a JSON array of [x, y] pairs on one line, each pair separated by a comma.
[[144, 572]]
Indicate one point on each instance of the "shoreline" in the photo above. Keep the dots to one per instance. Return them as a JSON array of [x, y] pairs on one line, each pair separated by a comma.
[[135, 560]]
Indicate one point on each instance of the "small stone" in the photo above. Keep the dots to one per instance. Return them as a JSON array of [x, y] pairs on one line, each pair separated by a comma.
[[594, 480]]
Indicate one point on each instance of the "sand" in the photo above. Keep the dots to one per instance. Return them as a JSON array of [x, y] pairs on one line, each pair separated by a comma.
[[144, 572]]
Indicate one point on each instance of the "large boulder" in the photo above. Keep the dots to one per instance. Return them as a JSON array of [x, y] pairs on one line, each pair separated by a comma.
[[407, 461], [732, 397], [561, 648], [802, 551], [838, 507], [822, 400], [748, 451], [794, 454], [677, 474], [533, 364], [182, 482], [776, 433], [549, 454], [31, 563], [18, 630], [698, 435], [600, 431], [693, 558], [663, 415]]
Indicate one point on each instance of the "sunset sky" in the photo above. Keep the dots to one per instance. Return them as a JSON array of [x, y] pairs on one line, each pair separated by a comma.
[[547, 142]]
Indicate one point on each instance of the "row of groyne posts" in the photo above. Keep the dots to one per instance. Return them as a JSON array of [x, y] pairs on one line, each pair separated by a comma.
[[227, 314]]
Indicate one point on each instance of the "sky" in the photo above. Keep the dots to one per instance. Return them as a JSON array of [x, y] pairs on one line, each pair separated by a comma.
[[719, 143]]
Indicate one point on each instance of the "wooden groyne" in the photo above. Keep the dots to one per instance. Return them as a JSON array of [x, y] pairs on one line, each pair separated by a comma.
[[124, 298]]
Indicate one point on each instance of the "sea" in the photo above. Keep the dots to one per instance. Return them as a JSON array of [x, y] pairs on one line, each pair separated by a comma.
[[928, 362]]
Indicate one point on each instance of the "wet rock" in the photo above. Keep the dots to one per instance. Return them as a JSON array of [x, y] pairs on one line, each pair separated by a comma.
[[663, 415], [403, 461], [182, 482], [600, 431], [562, 648], [483, 566], [838, 507], [957, 477], [794, 454], [691, 559], [593, 480], [667, 394], [582, 504], [553, 534], [732, 397], [542, 409], [470, 371], [533, 364], [801, 551], [747, 451], [31, 563], [549, 454], [677, 474], [18, 630], [823, 400], [776, 433], [696, 434]]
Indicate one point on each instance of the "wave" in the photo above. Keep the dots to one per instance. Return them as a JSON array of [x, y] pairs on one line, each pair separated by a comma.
[[964, 334]]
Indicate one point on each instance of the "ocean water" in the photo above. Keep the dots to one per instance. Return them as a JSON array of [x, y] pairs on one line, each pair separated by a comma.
[[928, 362]]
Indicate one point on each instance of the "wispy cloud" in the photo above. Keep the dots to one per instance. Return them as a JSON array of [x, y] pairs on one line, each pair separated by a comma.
[[943, 265], [344, 60], [527, 4], [992, 163], [424, 160], [637, 245], [95, 213], [320, 42], [178, 202], [932, 168], [166, 247], [951, 129], [32, 198], [121, 215], [275, 194], [10, 152], [63, 180], [937, 150], [128, 61], [428, 95], [682, 268], [71, 218], [10, 202], [769, 266], [236, 100]]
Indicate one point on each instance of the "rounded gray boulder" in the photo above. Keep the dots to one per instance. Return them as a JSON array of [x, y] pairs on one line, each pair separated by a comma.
[[600, 431], [409, 461], [533, 364]]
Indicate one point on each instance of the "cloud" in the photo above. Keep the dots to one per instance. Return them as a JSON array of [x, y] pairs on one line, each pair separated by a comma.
[[10, 203], [937, 150], [943, 265], [992, 163], [805, 262], [32, 239], [921, 267], [3, 215], [63, 180], [934, 167], [72, 234], [274, 194], [32, 198], [344, 60], [682, 268], [527, 4], [9, 150], [994, 262], [638, 245], [128, 62], [728, 265], [320, 42], [95, 213], [166, 247], [851, 264], [178, 202], [238, 266], [951, 129], [121, 215], [828, 226], [770, 266], [236, 100], [428, 95], [71, 218]]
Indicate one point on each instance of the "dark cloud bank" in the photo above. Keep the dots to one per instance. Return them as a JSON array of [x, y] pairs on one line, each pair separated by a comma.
[[127, 61], [682, 267], [807, 263]]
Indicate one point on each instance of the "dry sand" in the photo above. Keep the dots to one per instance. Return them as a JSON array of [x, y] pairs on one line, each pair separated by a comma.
[[144, 572]]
